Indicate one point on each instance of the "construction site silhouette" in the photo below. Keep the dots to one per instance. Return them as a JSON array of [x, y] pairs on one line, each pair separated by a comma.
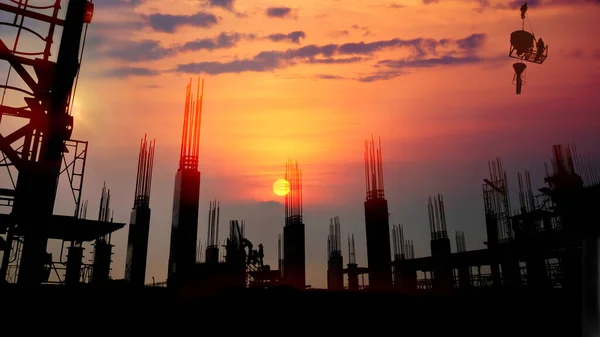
[[538, 274]]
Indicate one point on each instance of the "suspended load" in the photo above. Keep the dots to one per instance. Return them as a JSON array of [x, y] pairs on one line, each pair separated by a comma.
[[519, 78], [525, 48]]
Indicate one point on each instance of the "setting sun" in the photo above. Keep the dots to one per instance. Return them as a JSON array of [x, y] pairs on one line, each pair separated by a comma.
[[281, 187]]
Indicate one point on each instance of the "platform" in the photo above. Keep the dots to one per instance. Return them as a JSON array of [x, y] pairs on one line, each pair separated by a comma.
[[68, 228]]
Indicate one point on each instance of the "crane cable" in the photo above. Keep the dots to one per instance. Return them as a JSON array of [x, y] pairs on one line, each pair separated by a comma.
[[530, 26]]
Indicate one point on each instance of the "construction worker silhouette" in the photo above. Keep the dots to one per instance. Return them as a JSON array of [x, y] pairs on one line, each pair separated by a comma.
[[523, 10], [540, 49], [261, 254]]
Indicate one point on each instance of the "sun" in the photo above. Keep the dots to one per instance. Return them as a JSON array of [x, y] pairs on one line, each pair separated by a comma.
[[281, 187]]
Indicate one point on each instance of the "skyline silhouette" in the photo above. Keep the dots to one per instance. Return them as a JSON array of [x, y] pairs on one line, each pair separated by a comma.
[[439, 124]]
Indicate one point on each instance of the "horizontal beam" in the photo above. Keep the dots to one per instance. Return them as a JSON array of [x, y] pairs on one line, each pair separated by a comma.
[[15, 112], [7, 192], [32, 15]]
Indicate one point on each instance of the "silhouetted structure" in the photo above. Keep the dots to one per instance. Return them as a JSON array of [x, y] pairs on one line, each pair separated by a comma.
[[519, 77], [377, 221], [279, 255], [46, 144], [335, 263], [354, 272], [404, 280], [294, 259], [525, 48], [102, 245], [139, 225], [461, 244], [542, 247], [549, 245], [212, 241], [440, 244], [184, 228]]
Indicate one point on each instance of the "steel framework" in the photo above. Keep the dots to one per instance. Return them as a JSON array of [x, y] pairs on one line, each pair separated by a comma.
[[45, 138]]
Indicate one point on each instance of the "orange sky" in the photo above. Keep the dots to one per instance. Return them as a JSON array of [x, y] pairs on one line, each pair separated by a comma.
[[439, 125]]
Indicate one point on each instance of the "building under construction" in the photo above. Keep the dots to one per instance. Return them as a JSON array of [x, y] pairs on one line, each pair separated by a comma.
[[543, 244], [547, 245]]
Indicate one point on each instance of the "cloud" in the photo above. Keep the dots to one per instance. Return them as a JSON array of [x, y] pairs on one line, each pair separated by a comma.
[[226, 4], [380, 76], [279, 12], [336, 60], [131, 71], [236, 66], [471, 42], [426, 53], [168, 23], [427, 2], [430, 62], [376, 76], [223, 41], [292, 37], [151, 50], [133, 51], [130, 25]]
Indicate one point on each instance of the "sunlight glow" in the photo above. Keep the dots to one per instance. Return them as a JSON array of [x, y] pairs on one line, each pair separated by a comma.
[[281, 187]]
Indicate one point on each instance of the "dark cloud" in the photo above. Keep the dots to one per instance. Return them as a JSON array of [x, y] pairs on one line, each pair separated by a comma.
[[133, 51], [168, 23], [336, 61], [237, 66], [150, 50], [472, 42], [430, 62], [596, 54], [131, 71], [427, 2], [380, 76], [425, 54], [396, 6], [420, 45], [226, 4], [292, 37], [223, 41], [377, 76], [115, 27], [278, 12]]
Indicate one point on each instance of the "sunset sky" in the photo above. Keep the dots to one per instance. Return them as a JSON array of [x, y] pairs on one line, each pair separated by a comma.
[[312, 80]]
